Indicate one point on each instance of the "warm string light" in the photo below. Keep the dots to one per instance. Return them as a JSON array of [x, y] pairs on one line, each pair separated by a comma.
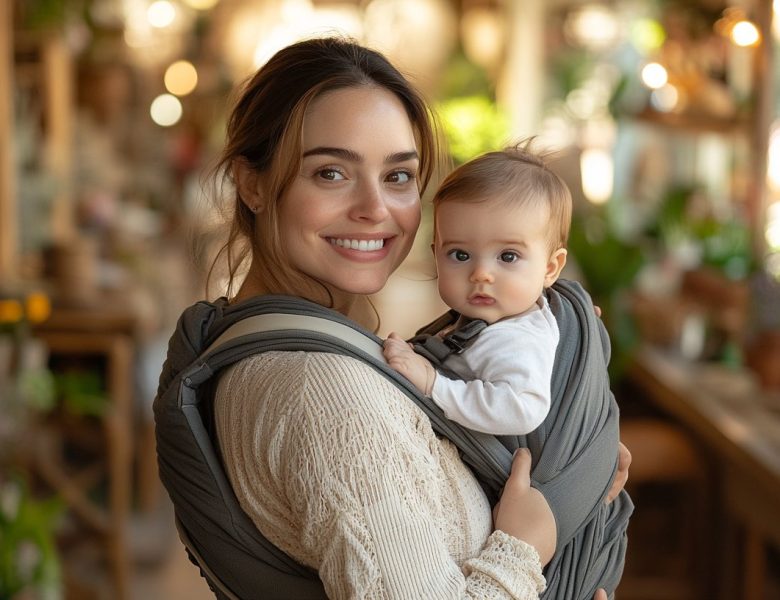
[[161, 14], [181, 78], [654, 75], [592, 26], [745, 33], [597, 169], [166, 110]]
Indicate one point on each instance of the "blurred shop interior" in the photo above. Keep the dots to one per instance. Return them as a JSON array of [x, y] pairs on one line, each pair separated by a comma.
[[664, 119]]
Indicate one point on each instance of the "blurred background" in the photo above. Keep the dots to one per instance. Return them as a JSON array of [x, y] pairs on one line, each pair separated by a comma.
[[664, 119]]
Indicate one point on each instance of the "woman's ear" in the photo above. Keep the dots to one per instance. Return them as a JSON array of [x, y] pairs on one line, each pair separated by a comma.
[[248, 183], [555, 266]]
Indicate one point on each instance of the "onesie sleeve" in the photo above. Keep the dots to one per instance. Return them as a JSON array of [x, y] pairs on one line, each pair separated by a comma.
[[508, 370], [358, 479]]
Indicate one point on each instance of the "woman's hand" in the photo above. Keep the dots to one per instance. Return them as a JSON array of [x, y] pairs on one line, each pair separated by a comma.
[[523, 511], [621, 477]]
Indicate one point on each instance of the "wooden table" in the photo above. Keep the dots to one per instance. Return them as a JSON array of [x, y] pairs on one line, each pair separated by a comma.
[[106, 330], [740, 424]]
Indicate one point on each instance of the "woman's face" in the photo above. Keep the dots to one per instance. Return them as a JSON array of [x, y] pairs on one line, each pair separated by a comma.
[[350, 216]]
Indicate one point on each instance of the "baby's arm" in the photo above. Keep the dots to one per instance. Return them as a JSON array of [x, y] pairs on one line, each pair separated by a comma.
[[400, 355]]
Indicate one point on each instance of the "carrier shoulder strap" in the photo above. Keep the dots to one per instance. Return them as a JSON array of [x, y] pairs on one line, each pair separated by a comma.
[[302, 323]]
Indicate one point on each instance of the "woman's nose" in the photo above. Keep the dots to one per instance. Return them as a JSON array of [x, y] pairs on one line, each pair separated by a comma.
[[369, 203]]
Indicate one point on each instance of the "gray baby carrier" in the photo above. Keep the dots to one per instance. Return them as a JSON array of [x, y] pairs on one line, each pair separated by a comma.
[[574, 450]]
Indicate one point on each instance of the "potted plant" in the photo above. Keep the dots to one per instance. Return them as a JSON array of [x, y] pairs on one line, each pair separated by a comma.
[[29, 564]]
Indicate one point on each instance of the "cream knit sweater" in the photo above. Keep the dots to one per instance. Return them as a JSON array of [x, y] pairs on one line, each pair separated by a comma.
[[340, 470]]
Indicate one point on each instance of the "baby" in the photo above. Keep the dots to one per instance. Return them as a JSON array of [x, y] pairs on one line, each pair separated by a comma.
[[501, 222]]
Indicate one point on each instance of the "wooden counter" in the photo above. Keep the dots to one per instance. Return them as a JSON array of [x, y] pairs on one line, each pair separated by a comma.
[[740, 425]]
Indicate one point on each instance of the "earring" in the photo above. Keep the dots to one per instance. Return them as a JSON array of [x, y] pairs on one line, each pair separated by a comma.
[[254, 209]]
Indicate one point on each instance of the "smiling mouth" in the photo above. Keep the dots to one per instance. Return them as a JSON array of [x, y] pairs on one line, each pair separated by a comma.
[[359, 245]]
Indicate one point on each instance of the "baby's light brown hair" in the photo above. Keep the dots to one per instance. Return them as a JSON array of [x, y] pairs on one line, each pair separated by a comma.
[[517, 176]]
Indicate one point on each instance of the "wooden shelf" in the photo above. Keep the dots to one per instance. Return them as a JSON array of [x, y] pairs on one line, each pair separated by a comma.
[[694, 123], [106, 333]]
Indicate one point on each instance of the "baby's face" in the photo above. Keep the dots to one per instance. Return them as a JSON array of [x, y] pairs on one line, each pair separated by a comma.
[[493, 258]]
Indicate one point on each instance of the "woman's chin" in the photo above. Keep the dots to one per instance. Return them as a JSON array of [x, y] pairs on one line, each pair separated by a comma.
[[361, 287]]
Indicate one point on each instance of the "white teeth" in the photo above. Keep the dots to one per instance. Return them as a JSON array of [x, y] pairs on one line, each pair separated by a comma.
[[360, 245]]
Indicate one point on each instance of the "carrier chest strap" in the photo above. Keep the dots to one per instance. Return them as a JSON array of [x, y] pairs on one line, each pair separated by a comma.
[[436, 349]]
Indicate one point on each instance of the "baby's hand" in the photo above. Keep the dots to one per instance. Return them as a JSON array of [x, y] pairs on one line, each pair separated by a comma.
[[400, 355]]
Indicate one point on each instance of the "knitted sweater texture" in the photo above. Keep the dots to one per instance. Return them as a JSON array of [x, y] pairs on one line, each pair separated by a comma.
[[344, 473]]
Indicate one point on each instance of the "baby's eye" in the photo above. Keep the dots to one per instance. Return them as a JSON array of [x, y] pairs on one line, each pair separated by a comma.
[[400, 177], [458, 255], [509, 257], [330, 174]]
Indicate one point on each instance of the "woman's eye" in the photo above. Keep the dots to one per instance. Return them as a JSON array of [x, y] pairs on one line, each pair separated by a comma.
[[330, 174], [400, 177], [509, 257], [458, 255]]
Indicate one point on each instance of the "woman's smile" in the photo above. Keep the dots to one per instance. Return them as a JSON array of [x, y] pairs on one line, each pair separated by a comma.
[[372, 245]]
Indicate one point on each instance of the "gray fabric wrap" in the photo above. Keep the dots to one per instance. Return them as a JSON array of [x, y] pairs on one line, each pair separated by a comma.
[[574, 450]]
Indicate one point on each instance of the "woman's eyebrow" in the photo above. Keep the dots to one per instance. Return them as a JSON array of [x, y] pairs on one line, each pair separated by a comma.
[[344, 153], [353, 156], [402, 156]]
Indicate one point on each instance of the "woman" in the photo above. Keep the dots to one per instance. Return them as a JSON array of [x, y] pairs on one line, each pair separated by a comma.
[[329, 149]]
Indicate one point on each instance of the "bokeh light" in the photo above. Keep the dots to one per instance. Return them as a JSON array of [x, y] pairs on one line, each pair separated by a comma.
[[647, 35], [665, 98], [160, 14], [593, 26], [181, 78], [654, 75], [597, 168], [745, 33], [201, 4], [166, 110]]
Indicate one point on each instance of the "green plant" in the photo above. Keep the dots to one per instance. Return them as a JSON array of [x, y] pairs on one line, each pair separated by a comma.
[[609, 266], [28, 556], [472, 125], [722, 243], [81, 392]]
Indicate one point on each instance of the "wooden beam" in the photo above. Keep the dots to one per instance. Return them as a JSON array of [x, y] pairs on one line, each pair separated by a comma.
[[762, 121], [58, 77], [8, 211]]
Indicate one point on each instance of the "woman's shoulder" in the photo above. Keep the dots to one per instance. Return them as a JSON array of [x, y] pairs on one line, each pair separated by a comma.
[[305, 383], [288, 368]]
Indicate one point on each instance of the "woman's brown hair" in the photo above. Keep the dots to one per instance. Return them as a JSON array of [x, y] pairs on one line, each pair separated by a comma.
[[264, 130]]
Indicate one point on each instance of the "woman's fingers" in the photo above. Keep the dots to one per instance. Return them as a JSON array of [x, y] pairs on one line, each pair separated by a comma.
[[621, 477], [600, 595], [520, 477], [523, 511]]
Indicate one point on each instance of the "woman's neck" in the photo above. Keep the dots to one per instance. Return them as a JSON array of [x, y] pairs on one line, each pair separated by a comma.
[[356, 307]]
